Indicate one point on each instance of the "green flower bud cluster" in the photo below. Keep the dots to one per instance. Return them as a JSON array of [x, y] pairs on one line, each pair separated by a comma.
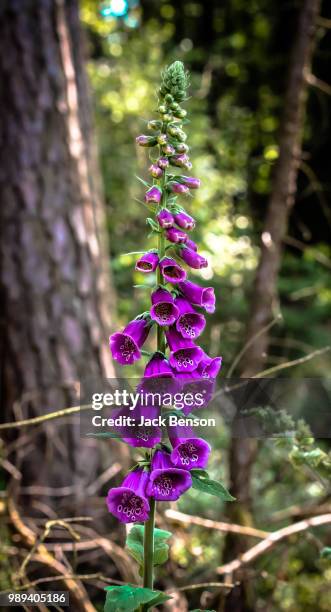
[[174, 84], [168, 133]]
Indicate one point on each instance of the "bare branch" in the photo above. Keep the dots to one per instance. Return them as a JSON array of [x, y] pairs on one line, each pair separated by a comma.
[[318, 83], [204, 585], [180, 517], [44, 417], [273, 539], [294, 362], [250, 342]]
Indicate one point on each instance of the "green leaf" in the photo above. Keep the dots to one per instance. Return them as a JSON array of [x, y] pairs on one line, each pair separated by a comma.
[[212, 487], [142, 181], [152, 224], [159, 599], [326, 553], [141, 286], [128, 598], [133, 253], [135, 544], [104, 434]]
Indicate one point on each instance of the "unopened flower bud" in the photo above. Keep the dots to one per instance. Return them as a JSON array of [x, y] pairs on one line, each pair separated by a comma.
[[163, 162], [191, 182], [165, 218], [168, 98], [180, 113], [154, 194], [181, 135], [154, 124], [162, 109], [173, 130], [178, 188], [179, 160], [146, 141], [181, 147], [193, 259], [185, 221], [168, 149], [191, 245], [175, 235], [155, 171], [162, 139], [167, 117], [174, 106]]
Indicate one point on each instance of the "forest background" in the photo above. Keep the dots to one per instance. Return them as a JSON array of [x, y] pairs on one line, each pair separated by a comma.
[[260, 137]]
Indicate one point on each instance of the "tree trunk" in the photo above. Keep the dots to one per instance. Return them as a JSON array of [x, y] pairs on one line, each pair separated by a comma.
[[56, 298], [264, 294]]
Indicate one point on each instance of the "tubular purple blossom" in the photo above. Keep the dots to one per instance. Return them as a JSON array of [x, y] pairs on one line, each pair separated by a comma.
[[184, 355], [192, 385], [129, 502], [167, 483], [146, 141], [188, 451], [199, 296], [147, 262], [158, 367], [153, 195], [191, 182], [209, 367], [193, 259], [171, 270], [191, 245], [155, 171], [176, 235], [185, 221], [163, 311], [143, 436], [190, 324], [125, 346], [178, 188], [165, 218]]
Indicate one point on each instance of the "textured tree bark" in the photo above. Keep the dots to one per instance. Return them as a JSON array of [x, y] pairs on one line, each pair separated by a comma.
[[264, 294], [56, 300]]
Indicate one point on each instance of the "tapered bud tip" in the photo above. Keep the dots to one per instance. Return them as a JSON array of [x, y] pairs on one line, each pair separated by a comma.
[[146, 141], [191, 182]]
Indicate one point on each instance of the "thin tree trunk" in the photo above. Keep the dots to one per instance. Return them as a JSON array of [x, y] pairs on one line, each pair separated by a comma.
[[264, 294], [56, 298]]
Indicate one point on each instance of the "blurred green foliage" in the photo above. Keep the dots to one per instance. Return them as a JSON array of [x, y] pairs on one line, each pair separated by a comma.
[[237, 53], [234, 112]]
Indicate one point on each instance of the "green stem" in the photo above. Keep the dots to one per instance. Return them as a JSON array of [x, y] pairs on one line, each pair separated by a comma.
[[149, 547], [150, 524]]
